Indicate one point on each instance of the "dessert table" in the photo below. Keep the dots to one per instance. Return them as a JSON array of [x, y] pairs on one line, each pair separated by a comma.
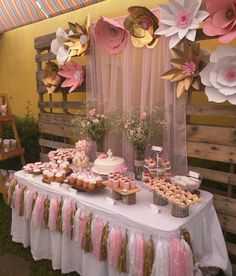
[[202, 224]]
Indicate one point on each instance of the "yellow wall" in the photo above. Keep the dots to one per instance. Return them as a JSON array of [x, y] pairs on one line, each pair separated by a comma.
[[17, 64]]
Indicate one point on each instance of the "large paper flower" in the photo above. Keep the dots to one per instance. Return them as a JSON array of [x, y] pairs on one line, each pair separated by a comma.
[[51, 79], [78, 42], [222, 19], [180, 19], [58, 48], [141, 24], [187, 65], [73, 74], [219, 76], [110, 35]]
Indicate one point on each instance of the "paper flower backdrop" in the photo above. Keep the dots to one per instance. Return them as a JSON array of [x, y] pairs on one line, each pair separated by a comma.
[[180, 19], [141, 24], [51, 79], [78, 42], [110, 35], [222, 19], [58, 48], [73, 74], [219, 76], [187, 65]]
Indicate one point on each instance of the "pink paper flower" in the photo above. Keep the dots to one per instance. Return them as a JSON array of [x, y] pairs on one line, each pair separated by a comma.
[[92, 112], [110, 35], [73, 74], [121, 169], [143, 115], [189, 68], [222, 19], [102, 156]]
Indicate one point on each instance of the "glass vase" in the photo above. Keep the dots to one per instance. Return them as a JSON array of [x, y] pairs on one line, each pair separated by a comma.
[[139, 164], [100, 147]]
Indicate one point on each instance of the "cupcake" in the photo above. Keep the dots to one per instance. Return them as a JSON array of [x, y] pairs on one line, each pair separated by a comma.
[[59, 177], [36, 171], [45, 175], [85, 183], [72, 178], [50, 176], [79, 181], [92, 184], [99, 181]]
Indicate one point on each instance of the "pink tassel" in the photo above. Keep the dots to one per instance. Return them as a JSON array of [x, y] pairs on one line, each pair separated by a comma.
[[53, 212], [114, 246], [84, 216], [139, 255], [67, 211], [39, 210], [18, 198], [97, 237], [29, 197]]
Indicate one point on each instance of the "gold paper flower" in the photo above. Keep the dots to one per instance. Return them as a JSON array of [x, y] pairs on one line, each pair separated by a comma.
[[141, 24], [51, 79], [187, 65], [78, 42]]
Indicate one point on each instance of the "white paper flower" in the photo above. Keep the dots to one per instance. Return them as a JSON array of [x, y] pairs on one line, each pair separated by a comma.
[[180, 19], [219, 76], [58, 48]]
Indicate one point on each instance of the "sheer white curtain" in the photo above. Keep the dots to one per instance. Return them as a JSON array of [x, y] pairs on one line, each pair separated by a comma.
[[132, 79]]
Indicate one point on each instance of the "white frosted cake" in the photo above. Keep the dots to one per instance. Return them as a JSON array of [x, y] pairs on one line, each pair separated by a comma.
[[106, 164]]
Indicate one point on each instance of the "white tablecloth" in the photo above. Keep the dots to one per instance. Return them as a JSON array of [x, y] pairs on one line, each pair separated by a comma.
[[203, 225]]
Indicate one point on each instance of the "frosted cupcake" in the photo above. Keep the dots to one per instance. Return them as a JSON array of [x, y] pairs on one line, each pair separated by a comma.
[[92, 184]]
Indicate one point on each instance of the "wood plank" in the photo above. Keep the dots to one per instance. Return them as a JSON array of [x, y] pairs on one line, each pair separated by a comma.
[[211, 134], [67, 105], [217, 176], [212, 152], [225, 205], [7, 118], [231, 248], [55, 118], [59, 130], [45, 57], [228, 223], [43, 157], [11, 154], [53, 144], [212, 110], [44, 42]]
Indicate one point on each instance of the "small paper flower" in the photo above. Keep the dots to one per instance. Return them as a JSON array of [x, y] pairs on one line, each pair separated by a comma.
[[74, 75], [110, 35], [222, 20], [219, 76], [58, 48], [92, 112], [187, 65], [143, 115], [180, 19], [141, 24], [78, 42], [51, 79], [102, 156]]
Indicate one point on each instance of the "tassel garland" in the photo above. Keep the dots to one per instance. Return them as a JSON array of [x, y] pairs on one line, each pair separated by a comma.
[[46, 212], [149, 258], [122, 262], [11, 191], [87, 237], [104, 242]]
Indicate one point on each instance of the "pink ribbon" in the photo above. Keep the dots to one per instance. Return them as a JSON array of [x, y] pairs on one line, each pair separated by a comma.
[[39, 210], [97, 237], [139, 255], [53, 212], [67, 210], [29, 197], [84, 216], [18, 196], [114, 246]]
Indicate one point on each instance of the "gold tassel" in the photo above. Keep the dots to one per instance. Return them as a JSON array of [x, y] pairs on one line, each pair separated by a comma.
[[122, 265], [103, 250], [11, 191], [149, 258], [72, 222], [22, 206], [59, 217], [46, 212], [87, 245], [34, 200], [186, 236]]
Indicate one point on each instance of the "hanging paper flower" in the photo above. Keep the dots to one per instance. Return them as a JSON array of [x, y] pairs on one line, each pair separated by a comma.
[[141, 24], [74, 75], [222, 19], [180, 19], [51, 79], [187, 65], [78, 41], [219, 76], [58, 48], [110, 35]]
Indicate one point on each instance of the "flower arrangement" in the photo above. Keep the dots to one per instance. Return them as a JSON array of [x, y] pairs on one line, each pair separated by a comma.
[[94, 126], [141, 127]]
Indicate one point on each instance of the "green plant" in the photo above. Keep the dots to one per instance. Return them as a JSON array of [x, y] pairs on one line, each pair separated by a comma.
[[29, 136]]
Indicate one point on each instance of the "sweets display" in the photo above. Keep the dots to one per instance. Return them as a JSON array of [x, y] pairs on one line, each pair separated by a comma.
[[186, 183], [159, 168], [107, 163], [34, 168], [65, 154], [7, 145], [120, 181]]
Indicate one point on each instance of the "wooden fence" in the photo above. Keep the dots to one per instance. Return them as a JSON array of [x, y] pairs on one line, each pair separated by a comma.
[[211, 144]]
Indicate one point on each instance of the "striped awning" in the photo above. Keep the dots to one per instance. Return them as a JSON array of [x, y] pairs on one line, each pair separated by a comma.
[[17, 13]]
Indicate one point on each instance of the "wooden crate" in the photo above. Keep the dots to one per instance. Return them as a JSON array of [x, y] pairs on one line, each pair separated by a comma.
[[211, 147], [56, 109]]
